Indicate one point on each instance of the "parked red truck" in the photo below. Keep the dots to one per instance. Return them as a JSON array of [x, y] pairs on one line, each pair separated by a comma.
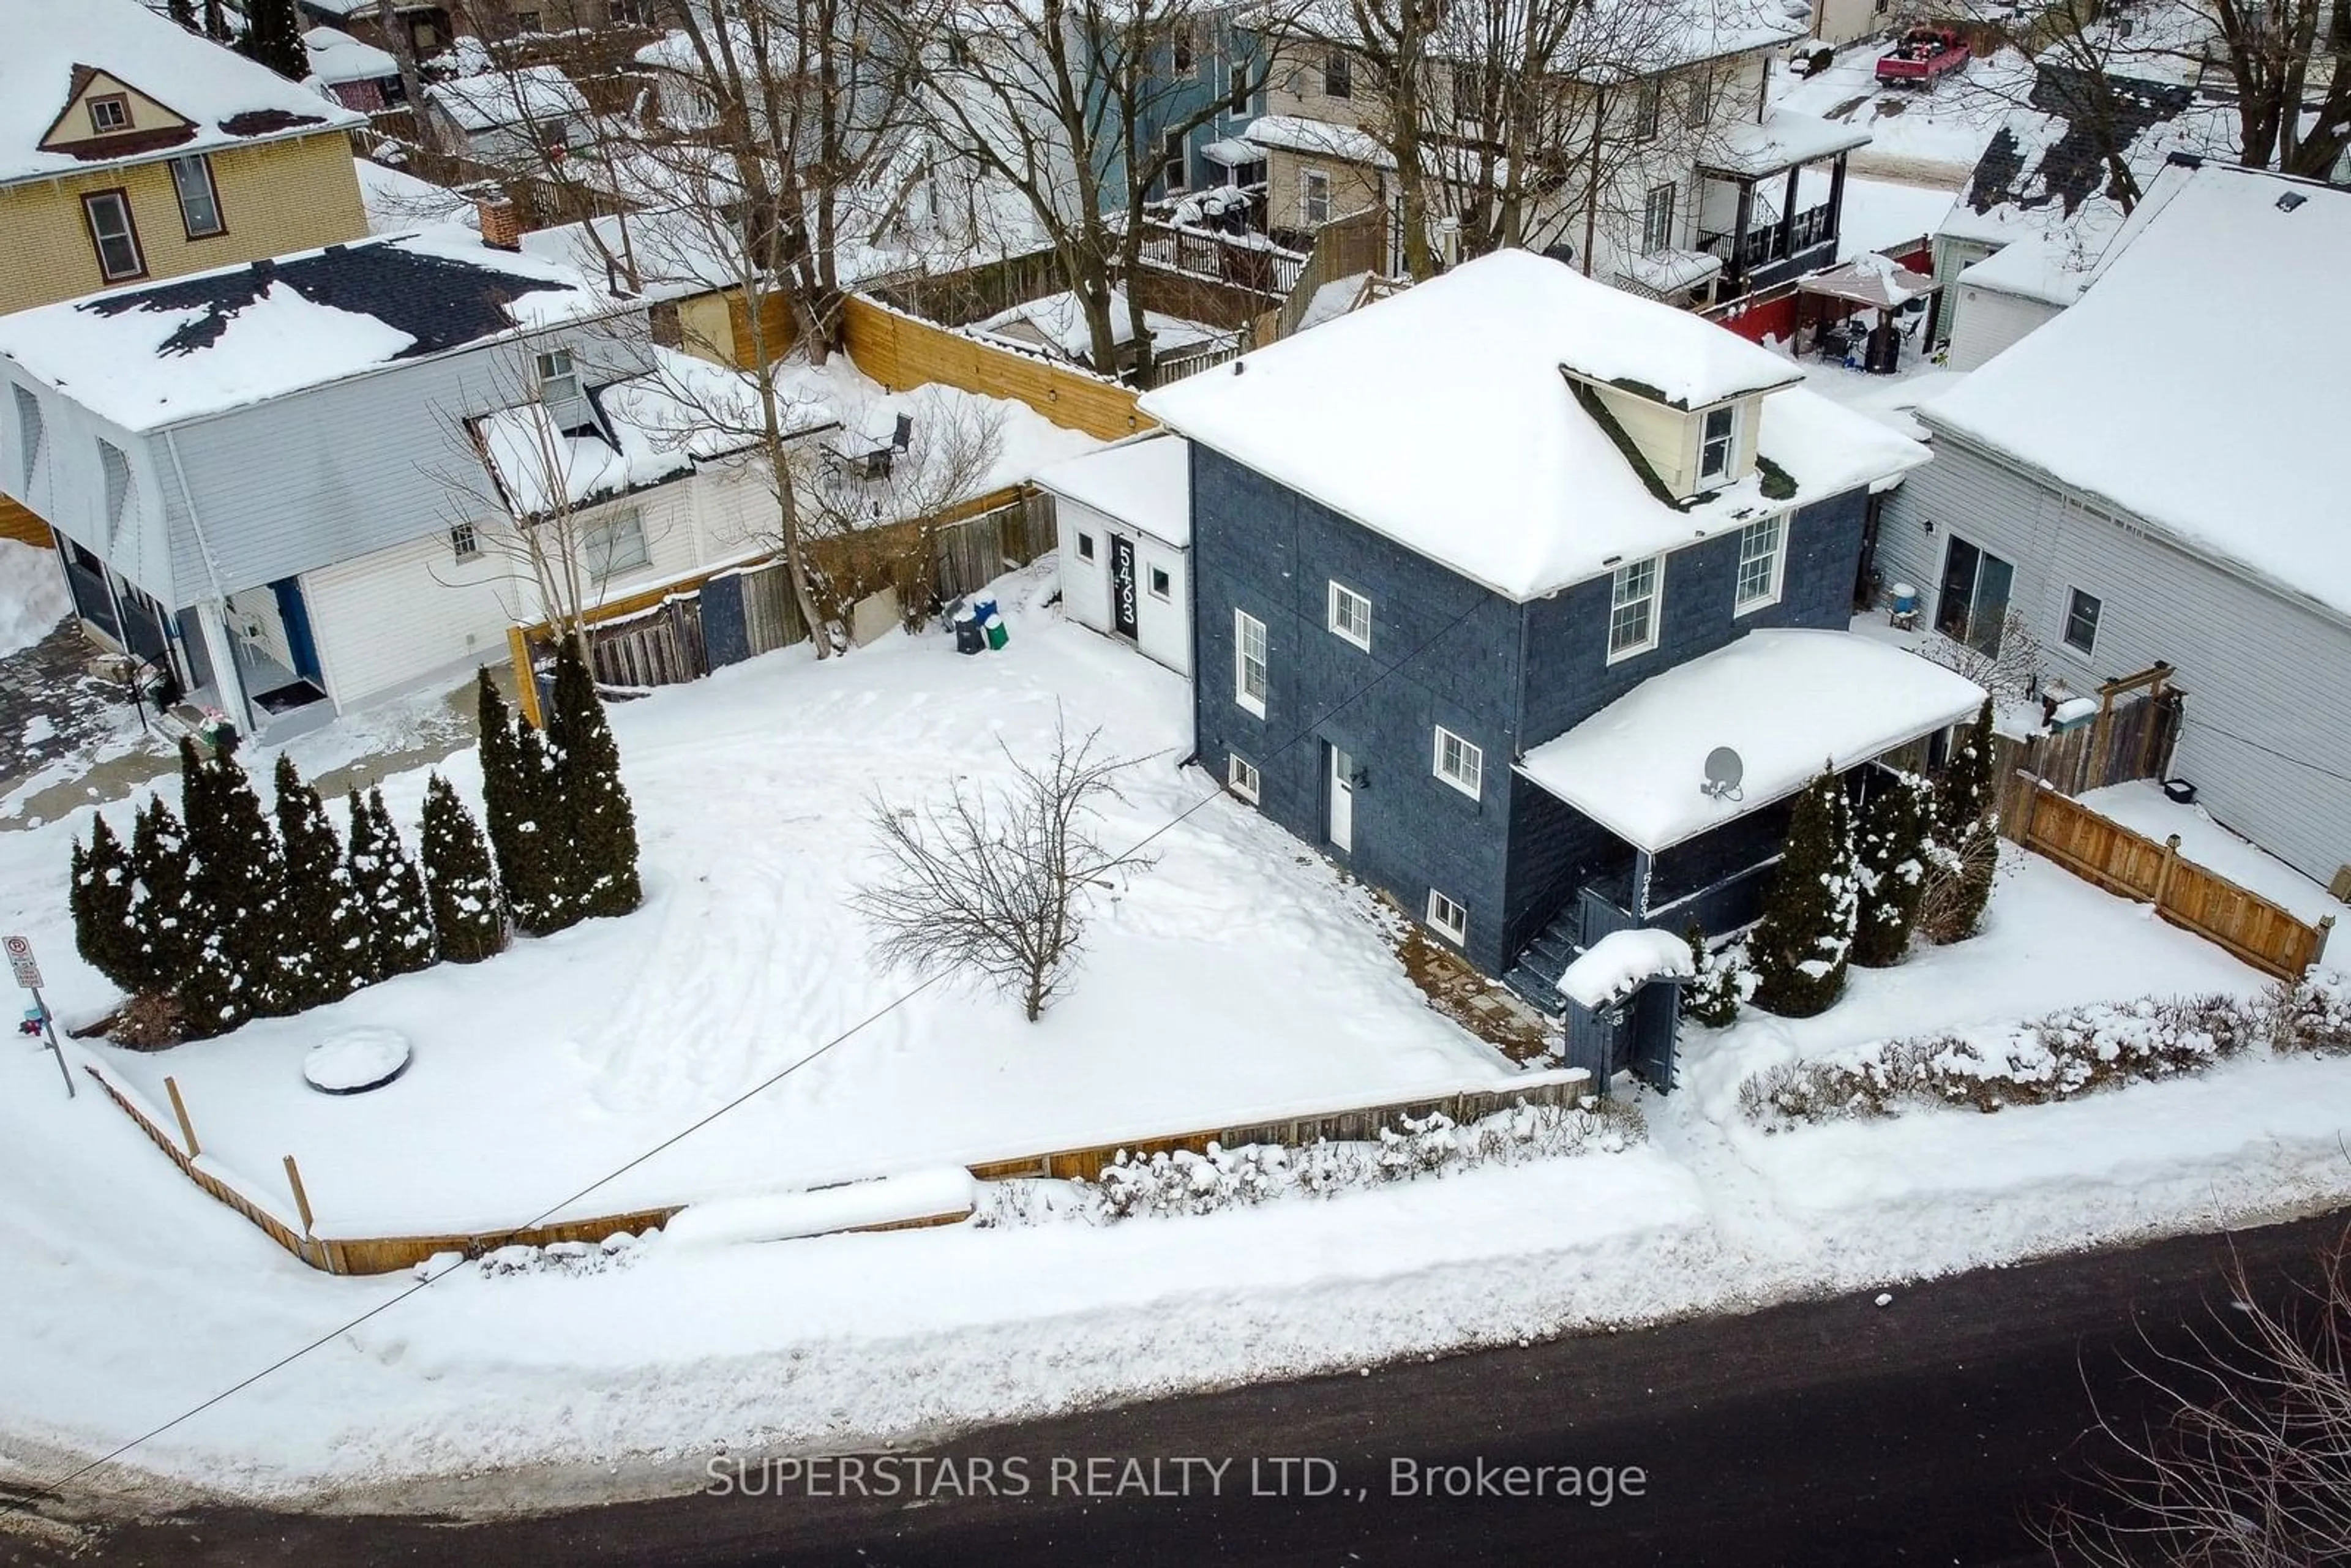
[[1924, 56]]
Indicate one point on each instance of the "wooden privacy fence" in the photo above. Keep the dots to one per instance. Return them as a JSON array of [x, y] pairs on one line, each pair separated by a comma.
[[1564, 1086], [900, 350], [682, 630], [2189, 895]]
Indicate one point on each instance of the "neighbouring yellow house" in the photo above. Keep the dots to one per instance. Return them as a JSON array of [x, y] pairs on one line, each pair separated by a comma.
[[132, 150]]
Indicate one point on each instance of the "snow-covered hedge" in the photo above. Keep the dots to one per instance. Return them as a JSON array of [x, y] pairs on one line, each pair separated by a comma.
[[2065, 1054], [1185, 1183]]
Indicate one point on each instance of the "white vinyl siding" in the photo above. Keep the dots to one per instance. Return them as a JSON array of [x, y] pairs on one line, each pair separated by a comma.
[[1251, 676], [1459, 763], [1763, 561], [1447, 918], [1633, 609], [1350, 616]]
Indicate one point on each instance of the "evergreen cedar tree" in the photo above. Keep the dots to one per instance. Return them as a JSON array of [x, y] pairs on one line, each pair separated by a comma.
[[591, 803], [235, 902], [1964, 804], [103, 899], [273, 36], [326, 931], [1711, 996], [1893, 845], [517, 794], [159, 859], [464, 889], [1799, 947], [399, 926]]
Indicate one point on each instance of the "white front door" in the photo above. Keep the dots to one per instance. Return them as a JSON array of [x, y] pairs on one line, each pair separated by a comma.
[[1343, 799]]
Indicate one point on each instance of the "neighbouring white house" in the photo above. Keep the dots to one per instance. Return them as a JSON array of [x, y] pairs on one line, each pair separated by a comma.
[[1125, 523], [2041, 207], [297, 484], [506, 117], [2156, 474]]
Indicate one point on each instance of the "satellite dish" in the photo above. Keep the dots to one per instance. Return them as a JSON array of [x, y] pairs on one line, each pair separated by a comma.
[[1723, 771]]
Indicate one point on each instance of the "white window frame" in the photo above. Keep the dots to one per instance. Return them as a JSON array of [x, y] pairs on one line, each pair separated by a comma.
[[1174, 164], [1729, 441], [559, 376], [601, 542], [192, 181], [1648, 107], [1247, 627], [1340, 598], [1775, 565], [1454, 927], [464, 542], [1308, 197], [1242, 778], [118, 203], [2074, 596], [1338, 75], [1658, 229], [1085, 545], [1159, 582], [117, 119], [1651, 601], [1466, 772]]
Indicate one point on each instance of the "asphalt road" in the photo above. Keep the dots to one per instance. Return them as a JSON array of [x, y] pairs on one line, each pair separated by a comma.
[[1928, 1431]]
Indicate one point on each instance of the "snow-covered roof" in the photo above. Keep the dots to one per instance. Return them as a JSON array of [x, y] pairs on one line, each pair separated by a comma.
[[1671, 271], [215, 97], [1440, 418], [1607, 41], [507, 97], [398, 202], [1870, 278], [1780, 141], [337, 57], [2052, 268], [673, 252], [1622, 962], [1790, 703], [148, 357], [1057, 323], [1297, 133], [2197, 383], [646, 429], [1145, 482]]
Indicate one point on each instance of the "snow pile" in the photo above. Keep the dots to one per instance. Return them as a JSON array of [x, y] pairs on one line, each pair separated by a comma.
[[2067, 1053], [1623, 962], [914, 1197], [32, 597]]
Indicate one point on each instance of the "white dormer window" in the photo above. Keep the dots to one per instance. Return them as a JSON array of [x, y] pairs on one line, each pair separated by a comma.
[[558, 383], [1716, 444]]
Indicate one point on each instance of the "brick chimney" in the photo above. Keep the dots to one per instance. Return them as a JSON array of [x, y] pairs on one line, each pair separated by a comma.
[[501, 224]]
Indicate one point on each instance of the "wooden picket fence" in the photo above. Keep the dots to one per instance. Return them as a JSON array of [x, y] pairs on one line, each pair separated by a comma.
[[2190, 896], [1561, 1086]]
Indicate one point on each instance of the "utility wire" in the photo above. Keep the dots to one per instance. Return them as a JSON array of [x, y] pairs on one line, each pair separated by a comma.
[[427, 1282]]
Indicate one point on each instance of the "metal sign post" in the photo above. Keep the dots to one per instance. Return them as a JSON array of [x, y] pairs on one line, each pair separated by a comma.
[[28, 975]]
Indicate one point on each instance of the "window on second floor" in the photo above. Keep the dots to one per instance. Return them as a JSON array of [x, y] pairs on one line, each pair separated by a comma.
[[1179, 50], [1460, 763], [1633, 609], [2082, 611], [1351, 616], [1648, 103], [615, 545], [464, 544], [1313, 197], [1700, 106], [559, 381], [1338, 75], [1173, 158], [1238, 88], [1762, 558], [1716, 444], [109, 113], [1252, 677], [1658, 219], [113, 235], [200, 213]]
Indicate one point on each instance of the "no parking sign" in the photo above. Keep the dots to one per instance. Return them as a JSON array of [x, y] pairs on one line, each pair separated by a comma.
[[21, 960]]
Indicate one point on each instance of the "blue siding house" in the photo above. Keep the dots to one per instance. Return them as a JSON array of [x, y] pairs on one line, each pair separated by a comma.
[[1482, 573]]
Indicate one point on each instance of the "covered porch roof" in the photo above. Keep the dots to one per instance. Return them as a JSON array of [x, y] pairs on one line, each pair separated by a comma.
[[1870, 280], [1789, 701], [1779, 141]]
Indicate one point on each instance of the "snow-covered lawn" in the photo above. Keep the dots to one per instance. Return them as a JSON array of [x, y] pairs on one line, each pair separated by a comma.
[[129, 1296], [2143, 808], [1237, 976]]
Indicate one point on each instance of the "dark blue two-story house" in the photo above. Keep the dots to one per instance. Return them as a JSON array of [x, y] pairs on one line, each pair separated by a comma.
[[1484, 574]]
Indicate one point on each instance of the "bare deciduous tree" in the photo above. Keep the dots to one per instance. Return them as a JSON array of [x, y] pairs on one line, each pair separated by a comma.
[[996, 884], [2249, 1464]]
